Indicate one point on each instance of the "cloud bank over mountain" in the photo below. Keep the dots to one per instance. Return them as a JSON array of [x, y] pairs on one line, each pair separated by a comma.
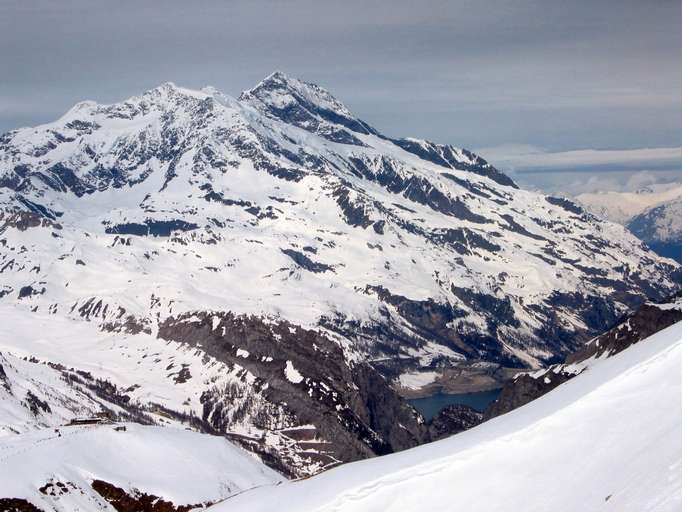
[[587, 170]]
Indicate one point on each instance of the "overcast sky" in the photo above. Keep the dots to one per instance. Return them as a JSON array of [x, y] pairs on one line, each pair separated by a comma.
[[527, 82]]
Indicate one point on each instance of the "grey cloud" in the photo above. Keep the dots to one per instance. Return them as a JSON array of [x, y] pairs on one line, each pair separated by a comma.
[[522, 158]]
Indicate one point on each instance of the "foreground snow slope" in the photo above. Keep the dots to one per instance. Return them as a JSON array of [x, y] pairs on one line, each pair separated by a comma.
[[607, 440], [177, 465]]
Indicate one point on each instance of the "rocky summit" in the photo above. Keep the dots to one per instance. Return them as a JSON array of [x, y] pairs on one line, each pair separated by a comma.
[[277, 270]]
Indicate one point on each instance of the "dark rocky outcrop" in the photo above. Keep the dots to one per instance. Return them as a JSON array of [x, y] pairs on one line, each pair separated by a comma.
[[446, 156], [304, 262], [4, 380], [17, 505], [523, 389], [646, 321], [566, 204], [36, 405], [453, 419], [430, 320], [392, 175], [151, 228], [465, 241], [28, 291], [23, 220], [138, 501], [307, 108]]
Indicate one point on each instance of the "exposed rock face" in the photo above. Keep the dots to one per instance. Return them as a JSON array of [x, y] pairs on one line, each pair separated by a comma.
[[137, 502], [4, 380], [525, 388], [297, 381], [647, 320], [453, 419], [36, 405], [17, 505], [454, 158]]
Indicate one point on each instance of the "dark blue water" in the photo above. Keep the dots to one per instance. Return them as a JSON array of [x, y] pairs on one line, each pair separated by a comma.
[[432, 405]]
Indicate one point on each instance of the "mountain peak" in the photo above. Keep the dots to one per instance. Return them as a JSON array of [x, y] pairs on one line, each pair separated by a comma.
[[170, 89], [276, 76], [279, 90], [304, 104]]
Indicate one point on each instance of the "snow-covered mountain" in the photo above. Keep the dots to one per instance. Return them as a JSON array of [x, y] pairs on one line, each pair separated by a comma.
[[271, 266], [660, 227], [606, 440], [652, 213], [123, 468], [620, 207]]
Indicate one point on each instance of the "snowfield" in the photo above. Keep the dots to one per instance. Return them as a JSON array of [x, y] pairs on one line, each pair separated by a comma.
[[607, 440]]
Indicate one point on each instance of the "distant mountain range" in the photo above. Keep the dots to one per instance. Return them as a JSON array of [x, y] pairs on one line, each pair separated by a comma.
[[274, 269], [651, 213]]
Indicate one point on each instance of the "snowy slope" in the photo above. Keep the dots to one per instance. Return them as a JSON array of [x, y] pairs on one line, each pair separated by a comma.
[[53, 464], [35, 396], [230, 379], [185, 468], [606, 440]]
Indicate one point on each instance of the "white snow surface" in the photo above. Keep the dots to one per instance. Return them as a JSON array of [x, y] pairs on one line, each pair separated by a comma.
[[292, 374], [417, 380], [608, 439], [175, 464], [139, 360]]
